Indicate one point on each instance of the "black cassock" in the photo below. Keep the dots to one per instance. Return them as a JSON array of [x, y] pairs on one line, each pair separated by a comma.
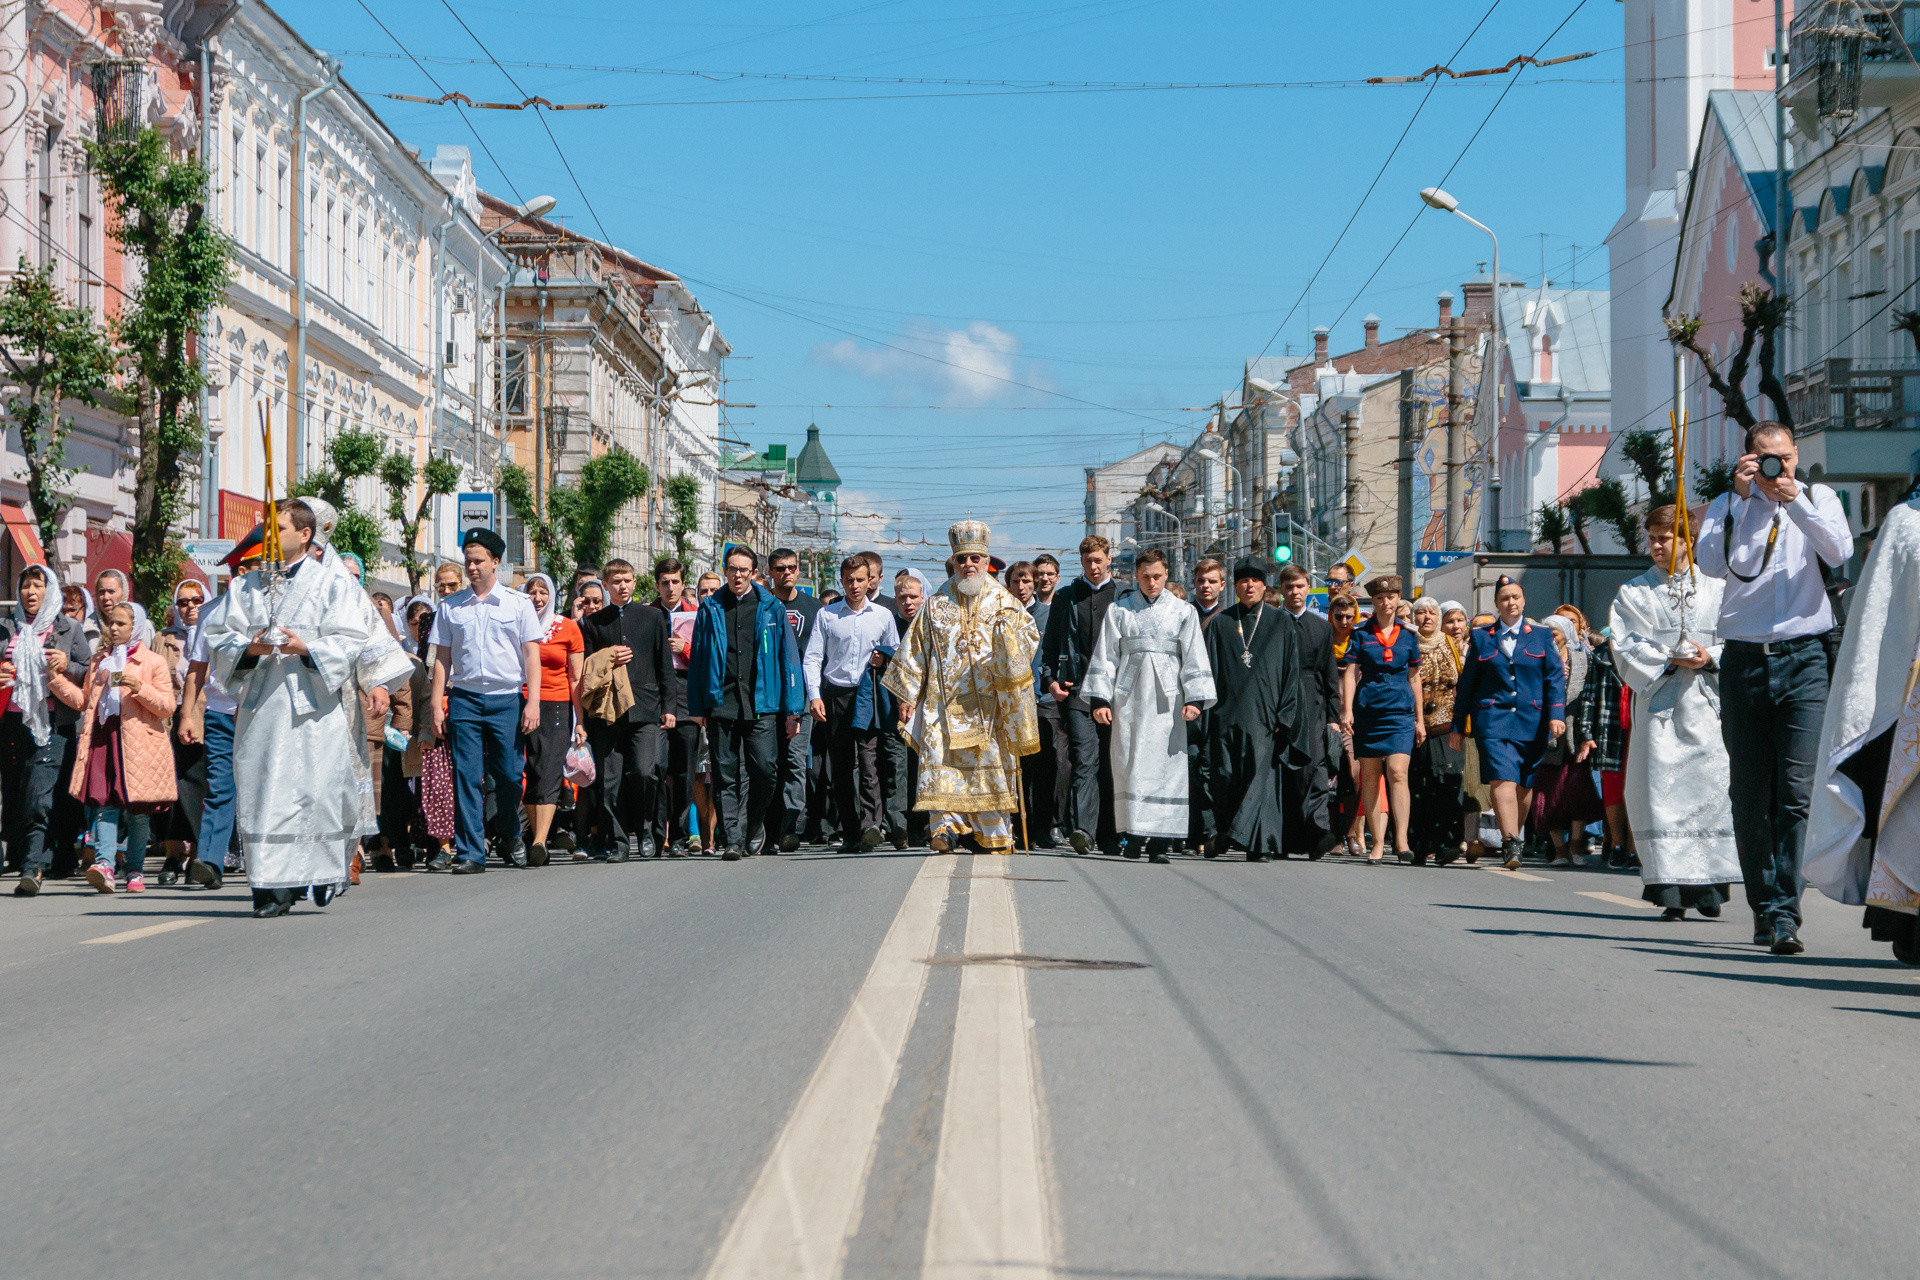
[[1307, 790], [1253, 725]]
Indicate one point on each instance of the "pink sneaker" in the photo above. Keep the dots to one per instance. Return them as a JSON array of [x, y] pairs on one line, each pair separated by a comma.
[[100, 876], [136, 884]]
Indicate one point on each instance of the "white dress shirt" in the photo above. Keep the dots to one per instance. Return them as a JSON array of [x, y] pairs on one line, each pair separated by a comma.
[[1786, 599], [843, 641], [482, 635], [218, 699], [1508, 636]]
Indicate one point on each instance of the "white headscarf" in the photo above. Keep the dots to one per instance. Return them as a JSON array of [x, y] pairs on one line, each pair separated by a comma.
[[28, 654], [113, 663], [1452, 606], [142, 626], [926, 583], [547, 614]]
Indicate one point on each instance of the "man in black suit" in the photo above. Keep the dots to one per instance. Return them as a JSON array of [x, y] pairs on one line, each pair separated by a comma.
[[629, 754], [683, 740], [1073, 625], [787, 815], [1306, 795]]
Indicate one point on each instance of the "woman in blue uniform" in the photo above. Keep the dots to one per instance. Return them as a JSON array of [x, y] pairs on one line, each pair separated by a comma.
[[1514, 689], [1381, 709]]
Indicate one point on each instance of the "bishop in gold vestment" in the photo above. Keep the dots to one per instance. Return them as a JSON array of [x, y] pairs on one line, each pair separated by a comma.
[[964, 677]]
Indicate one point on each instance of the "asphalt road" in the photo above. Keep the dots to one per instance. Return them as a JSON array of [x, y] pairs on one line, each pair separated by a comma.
[[690, 1068]]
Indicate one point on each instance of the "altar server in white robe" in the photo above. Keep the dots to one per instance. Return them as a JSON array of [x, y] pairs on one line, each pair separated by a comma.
[[1149, 678], [1863, 833], [297, 724], [1676, 766]]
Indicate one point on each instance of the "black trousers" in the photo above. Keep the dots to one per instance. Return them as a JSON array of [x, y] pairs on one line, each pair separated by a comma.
[[1771, 705], [28, 788], [398, 803], [1046, 775], [1091, 809], [896, 783], [628, 759], [676, 785], [823, 819], [744, 755], [786, 813], [853, 761]]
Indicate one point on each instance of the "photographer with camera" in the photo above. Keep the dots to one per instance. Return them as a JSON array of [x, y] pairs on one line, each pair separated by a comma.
[[1766, 539]]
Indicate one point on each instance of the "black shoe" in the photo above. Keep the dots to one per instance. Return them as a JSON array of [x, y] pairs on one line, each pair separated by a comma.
[[322, 894], [647, 848], [537, 855], [1081, 841], [464, 867], [516, 856], [1786, 939], [1762, 934], [1674, 913], [1128, 849], [384, 862], [618, 853], [730, 854], [269, 910], [899, 838], [1256, 857], [1512, 849], [29, 886], [1055, 838], [1709, 907], [169, 875], [789, 843], [1160, 856], [870, 839], [204, 874], [1616, 857], [440, 861]]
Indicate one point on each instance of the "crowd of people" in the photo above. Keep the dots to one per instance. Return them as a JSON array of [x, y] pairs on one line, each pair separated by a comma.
[[305, 730]]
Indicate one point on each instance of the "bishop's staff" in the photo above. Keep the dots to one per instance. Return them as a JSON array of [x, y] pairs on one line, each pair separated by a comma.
[[273, 568], [1681, 594]]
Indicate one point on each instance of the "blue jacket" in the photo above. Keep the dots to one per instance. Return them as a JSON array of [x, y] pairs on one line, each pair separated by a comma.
[[1512, 698], [777, 685]]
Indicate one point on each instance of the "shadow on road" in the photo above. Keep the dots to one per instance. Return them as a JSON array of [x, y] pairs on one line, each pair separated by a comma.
[[1575, 1058], [1908, 989]]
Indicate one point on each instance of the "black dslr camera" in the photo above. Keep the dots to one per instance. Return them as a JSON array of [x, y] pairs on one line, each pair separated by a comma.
[[1772, 465]]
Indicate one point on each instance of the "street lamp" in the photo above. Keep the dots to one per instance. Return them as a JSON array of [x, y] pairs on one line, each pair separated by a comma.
[[537, 207], [1435, 198]]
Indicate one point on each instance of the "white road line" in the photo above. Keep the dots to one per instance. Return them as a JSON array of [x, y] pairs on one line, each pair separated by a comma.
[[147, 932], [805, 1205], [992, 1207], [1619, 899], [1517, 875]]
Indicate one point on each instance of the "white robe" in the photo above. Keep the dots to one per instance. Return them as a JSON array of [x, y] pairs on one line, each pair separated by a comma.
[[1148, 663], [301, 775], [1676, 767], [1869, 696]]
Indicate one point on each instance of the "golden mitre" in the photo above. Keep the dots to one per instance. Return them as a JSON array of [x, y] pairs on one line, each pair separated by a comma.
[[968, 537]]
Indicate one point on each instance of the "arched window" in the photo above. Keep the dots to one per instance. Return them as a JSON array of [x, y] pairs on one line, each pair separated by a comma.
[[1546, 358]]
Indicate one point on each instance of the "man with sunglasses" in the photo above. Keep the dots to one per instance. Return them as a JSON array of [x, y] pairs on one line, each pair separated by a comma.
[[1768, 539]]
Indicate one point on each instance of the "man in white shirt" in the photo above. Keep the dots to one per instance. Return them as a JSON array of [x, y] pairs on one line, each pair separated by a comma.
[[1767, 539], [851, 642], [486, 641]]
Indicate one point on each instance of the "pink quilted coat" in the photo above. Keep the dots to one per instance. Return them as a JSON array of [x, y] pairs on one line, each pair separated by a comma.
[[144, 708]]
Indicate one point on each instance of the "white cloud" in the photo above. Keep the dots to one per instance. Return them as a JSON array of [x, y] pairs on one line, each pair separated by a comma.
[[977, 365]]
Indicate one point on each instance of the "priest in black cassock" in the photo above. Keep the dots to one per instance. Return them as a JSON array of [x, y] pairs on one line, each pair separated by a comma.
[[1253, 729], [1306, 792]]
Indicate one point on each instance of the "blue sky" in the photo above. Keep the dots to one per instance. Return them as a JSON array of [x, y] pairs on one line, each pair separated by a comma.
[[1080, 265]]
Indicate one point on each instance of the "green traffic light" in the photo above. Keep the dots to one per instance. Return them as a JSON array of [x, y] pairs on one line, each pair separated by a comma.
[[1283, 553]]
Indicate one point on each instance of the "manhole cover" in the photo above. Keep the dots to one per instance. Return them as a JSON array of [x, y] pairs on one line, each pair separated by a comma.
[[1027, 879], [1037, 962]]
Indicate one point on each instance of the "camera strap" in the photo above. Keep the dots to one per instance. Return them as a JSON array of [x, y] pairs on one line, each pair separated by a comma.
[[1766, 557]]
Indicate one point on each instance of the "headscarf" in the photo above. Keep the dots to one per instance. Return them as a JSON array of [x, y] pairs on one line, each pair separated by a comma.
[[358, 563], [1576, 654], [926, 583], [116, 661], [90, 620], [175, 618], [581, 586], [1427, 604], [547, 614], [28, 654]]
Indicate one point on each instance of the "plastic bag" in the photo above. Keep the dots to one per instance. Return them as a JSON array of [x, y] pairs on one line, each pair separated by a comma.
[[579, 768]]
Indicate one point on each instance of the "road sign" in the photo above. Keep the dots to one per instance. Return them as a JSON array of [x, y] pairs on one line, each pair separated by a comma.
[[1435, 559], [207, 553], [476, 512], [1356, 564]]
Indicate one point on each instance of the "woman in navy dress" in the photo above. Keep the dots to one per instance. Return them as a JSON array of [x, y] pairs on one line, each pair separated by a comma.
[[1381, 702], [1514, 691]]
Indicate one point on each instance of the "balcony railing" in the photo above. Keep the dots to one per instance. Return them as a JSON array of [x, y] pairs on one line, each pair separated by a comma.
[[1850, 55], [1856, 395]]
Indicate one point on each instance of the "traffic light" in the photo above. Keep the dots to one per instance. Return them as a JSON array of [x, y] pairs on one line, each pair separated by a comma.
[[1283, 546]]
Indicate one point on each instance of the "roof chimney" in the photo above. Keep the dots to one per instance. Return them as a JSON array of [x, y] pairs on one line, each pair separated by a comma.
[[1319, 344], [1372, 325], [1446, 309]]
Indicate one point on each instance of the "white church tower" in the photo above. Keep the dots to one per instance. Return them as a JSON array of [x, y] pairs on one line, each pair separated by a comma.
[[1677, 52]]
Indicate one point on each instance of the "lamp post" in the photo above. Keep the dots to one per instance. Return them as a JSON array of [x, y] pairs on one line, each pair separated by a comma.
[[1435, 198], [537, 207]]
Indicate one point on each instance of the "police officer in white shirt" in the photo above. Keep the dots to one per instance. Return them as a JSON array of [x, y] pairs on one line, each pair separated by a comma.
[[1767, 539], [851, 641], [486, 642]]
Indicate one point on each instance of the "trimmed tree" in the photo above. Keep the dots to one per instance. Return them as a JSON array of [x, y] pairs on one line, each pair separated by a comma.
[[683, 504], [586, 511], [54, 353], [550, 545], [157, 208], [350, 456], [1550, 525], [440, 477]]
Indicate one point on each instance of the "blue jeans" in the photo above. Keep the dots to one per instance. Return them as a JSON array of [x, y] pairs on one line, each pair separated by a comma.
[[106, 821], [1771, 706], [483, 734], [217, 814]]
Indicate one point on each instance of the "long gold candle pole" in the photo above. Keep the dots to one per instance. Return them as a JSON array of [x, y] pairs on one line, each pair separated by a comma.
[[270, 526]]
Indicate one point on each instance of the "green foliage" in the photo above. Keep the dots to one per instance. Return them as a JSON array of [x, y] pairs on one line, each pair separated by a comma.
[[683, 497], [350, 456], [551, 546], [1712, 479], [585, 512], [158, 216], [1607, 503], [53, 353], [1577, 515], [1646, 452], [1550, 525], [441, 476]]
